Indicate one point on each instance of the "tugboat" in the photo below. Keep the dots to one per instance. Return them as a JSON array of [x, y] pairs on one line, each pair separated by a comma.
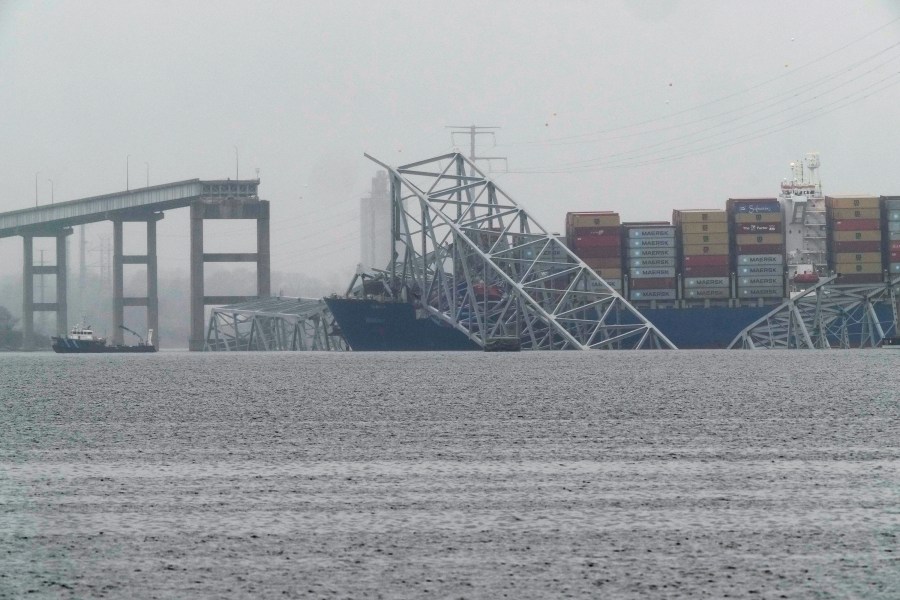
[[81, 340]]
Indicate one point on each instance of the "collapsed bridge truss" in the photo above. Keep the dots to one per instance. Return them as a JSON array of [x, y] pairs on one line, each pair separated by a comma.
[[827, 316], [279, 323], [468, 255]]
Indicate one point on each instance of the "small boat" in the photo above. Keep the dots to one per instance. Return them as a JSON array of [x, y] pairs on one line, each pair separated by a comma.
[[891, 342], [81, 340]]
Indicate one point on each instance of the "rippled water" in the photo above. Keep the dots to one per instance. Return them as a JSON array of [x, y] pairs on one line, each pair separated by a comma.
[[611, 475]]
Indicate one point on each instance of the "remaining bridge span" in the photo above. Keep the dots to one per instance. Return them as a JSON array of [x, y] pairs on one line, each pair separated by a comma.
[[208, 199]]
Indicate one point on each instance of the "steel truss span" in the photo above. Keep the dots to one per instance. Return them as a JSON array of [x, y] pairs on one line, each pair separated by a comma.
[[467, 254], [272, 324], [827, 316]]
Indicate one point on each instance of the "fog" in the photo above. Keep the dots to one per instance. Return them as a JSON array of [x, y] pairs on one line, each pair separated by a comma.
[[637, 106]]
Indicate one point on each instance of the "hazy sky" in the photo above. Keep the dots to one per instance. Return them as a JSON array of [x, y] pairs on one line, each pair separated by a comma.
[[637, 106]]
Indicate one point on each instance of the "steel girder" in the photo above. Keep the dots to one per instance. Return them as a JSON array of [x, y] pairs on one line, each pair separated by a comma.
[[826, 316], [467, 254], [273, 324]]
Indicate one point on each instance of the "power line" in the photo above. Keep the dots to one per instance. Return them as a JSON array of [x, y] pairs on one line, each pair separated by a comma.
[[789, 73]]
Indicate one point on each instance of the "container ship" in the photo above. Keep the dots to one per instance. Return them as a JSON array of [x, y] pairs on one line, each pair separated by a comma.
[[701, 278]]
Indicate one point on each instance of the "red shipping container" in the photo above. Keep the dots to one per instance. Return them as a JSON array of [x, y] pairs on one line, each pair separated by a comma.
[[700, 260], [856, 246], [856, 224], [705, 271], [603, 263], [596, 241], [599, 252], [895, 256], [859, 278], [894, 246], [653, 283], [577, 231], [761, 249]]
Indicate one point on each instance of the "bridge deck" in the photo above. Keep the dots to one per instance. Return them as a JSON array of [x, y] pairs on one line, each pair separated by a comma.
[[108, 206]]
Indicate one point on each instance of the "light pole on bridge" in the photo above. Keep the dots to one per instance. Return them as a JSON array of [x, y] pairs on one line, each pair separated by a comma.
[[51, 190], [36, 188], [127, 158]]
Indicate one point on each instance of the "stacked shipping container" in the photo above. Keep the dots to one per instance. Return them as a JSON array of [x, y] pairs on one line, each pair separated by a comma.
[[891, 222], [595, 238], [650, 260], [757, 228], [703, 253], [855, 238]]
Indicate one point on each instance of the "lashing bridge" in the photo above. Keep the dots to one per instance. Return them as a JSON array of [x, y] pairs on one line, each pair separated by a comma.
[[209, 199]]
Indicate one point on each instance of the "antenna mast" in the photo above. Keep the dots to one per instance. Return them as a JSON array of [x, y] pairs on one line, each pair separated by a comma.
[[472, 131]]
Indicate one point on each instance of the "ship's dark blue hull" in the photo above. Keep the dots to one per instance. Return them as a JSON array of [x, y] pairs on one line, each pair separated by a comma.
[[376, 325]]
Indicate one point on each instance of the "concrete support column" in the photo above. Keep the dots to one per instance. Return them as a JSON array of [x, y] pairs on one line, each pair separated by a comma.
[[62, 304], [28, 293], [152, 285], [263, 256], [197, 339], [118, 308]]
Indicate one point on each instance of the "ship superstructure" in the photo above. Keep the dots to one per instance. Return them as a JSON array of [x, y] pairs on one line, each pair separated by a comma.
[[806, 233]]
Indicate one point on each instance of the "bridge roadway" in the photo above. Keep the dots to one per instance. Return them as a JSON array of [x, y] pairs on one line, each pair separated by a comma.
[[207, 199]]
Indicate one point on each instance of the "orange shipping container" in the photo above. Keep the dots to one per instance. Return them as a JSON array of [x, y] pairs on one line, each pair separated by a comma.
[[693, 239], [699, 216], [704, 228], [856, 213], [857, 236], [852, 201], [593, 219], [847, 268], [705, 249], [856, 257]]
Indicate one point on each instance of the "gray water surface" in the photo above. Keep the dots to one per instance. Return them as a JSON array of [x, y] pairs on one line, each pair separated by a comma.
[[460, 475]]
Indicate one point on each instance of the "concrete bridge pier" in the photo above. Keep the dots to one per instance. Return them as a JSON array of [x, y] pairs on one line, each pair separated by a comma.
[[227, 208], [29, 270], [120, 259]]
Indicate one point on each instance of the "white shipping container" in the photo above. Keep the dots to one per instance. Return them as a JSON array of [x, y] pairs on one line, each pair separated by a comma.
[[892, 203], [707, 282], [894, 268], [651, 262], [761, 281], [744, 271], [652, 232], [652, 294], [707, 293], [761, 292], [760, 259], [893, 215], [596, 286], [652, 252], [651, 242], [645, 273], [893, 225]]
